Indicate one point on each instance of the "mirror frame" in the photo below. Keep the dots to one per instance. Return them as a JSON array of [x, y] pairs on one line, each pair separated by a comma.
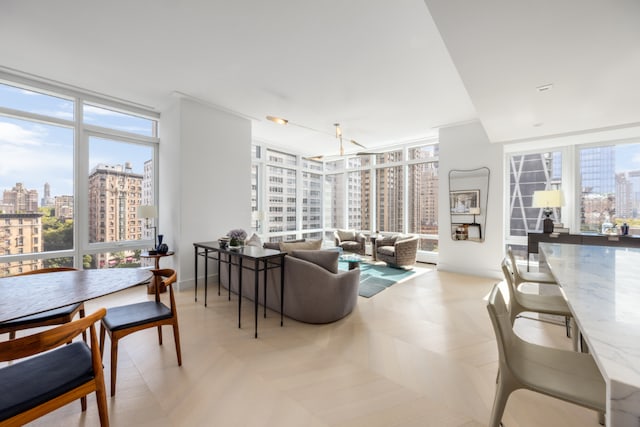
[[468, 203]]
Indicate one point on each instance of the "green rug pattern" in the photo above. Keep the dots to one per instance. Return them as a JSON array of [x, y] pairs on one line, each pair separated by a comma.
[[376, 278]]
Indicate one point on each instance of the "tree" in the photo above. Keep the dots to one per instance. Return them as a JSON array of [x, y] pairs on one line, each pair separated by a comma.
[[57, 235]]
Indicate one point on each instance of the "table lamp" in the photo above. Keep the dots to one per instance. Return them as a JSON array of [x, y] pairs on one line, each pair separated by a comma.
[[257, 216], [547, 200], [146, 212]]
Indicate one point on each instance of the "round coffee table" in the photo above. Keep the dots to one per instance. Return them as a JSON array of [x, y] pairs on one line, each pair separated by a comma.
[[352, 260]]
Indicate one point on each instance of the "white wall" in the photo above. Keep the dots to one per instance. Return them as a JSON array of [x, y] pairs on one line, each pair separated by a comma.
[[467, 147], [205, 179]]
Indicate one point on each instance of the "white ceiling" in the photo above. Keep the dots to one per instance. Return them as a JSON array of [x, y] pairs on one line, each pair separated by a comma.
[[504, 49], [378, 67]]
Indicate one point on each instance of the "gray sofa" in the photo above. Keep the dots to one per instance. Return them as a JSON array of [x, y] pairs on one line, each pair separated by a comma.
[[314, 290]]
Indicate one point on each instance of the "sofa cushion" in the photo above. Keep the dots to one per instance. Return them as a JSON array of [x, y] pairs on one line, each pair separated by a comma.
[[276, 245], [386, 241], [254, 240], [387, 250], [346, 235], [326, 259], [351, 246], [309, 244]]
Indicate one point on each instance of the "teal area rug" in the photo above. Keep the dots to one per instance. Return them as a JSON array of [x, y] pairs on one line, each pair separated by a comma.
[[376, 278]]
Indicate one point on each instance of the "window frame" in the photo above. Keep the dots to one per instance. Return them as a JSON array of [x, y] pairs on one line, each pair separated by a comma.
[[347, 167], [82, 133]]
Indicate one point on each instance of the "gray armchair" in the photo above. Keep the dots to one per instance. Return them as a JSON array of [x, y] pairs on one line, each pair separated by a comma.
[[397, 250], [350, 241]]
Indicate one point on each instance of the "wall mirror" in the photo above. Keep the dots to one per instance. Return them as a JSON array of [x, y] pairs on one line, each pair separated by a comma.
[[468, 200]]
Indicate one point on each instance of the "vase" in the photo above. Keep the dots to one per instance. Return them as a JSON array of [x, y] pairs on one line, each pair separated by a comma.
[[162, 248], [234, 242]]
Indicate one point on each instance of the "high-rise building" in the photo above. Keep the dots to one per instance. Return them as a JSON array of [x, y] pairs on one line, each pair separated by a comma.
[[147, 195], [22, 200], [115, 193], [20, 234], [530, 173], [627, 194], [63, 207], [281, 192], [423, 190], [389, 196], [598, 182], [598, 170], [311, 201], [47, 201]]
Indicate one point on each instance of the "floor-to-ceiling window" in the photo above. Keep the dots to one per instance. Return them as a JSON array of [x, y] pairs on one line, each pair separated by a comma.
[[609, 187], [530, 172], [335, 201], [422, 198], [392, 191], [73, 171], [600, 184]]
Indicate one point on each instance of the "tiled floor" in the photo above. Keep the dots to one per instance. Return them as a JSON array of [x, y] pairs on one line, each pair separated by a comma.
[[421, 353]]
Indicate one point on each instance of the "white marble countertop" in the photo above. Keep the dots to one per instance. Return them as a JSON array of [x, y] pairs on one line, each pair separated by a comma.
[[602, 287]]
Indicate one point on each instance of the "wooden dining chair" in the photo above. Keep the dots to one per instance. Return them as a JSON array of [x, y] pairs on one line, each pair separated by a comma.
[[567, 375], [127, 319], [58, 316], [53, 375]]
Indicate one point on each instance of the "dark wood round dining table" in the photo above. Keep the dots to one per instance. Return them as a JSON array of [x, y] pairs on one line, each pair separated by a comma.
[[30, 294]]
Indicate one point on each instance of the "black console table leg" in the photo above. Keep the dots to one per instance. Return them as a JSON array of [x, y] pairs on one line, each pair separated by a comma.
[[195, 280], [206, 275], [255, 295], [265, 287], [281, 291]]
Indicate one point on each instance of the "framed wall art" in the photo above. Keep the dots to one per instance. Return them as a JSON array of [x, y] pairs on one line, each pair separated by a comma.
[[464, 201]]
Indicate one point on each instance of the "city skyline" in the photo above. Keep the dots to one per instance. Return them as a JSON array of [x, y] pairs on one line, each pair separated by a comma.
[[35, 153]]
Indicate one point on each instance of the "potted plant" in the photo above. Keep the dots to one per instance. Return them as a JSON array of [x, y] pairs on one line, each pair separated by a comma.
[[237, 237]]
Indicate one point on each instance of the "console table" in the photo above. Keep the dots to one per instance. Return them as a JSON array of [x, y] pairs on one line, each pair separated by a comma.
[[269, 258], [534, 239]]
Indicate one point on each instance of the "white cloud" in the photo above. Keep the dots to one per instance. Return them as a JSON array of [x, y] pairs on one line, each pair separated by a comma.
[[13, 134]]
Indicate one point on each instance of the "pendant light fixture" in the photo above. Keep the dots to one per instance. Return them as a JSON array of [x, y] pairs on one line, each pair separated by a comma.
[[338, 134]]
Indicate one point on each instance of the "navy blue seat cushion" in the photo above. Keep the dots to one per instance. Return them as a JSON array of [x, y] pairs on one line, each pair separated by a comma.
[[29, 383], [41, 317], [127, 316]]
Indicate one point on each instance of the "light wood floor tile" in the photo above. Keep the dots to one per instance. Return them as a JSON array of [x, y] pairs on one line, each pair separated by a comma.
[[421, 353]]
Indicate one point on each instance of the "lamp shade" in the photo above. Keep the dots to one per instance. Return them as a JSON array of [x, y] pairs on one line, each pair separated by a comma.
[[147, 211], [548, 199]]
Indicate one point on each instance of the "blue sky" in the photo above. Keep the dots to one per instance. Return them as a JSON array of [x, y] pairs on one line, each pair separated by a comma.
[[34, 153], [627, 157]]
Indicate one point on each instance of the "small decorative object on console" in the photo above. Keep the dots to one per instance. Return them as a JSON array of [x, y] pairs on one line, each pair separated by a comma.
[[162, 248], [625, 229], [223, 242], [237, 237]]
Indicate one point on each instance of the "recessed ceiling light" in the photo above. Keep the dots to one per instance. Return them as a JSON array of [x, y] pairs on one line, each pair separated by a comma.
[[278, 120], [537, 125], [545, 88]]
